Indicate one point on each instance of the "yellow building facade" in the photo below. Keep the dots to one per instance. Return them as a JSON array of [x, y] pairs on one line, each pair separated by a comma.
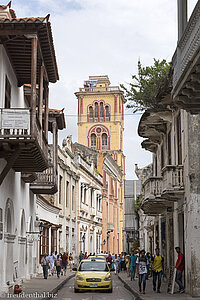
[[101, 126]]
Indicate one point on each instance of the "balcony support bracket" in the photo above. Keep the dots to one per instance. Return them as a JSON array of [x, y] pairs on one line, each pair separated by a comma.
[[9, 165]]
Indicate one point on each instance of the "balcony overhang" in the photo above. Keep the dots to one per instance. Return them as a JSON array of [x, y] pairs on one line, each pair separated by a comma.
[[149, 145], [173, 185], [153, 124], [16, 35], [154, 206], [186, 64]]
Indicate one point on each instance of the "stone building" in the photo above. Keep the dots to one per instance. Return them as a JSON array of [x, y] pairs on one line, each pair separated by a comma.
[[171, 193], [101, 125], [24, 114]]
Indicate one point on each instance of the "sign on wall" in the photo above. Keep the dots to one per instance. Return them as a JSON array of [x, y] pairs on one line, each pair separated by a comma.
[[15, 119]]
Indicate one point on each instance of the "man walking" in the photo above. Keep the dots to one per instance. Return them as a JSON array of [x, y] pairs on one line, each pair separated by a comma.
[[45, 265], [179, 269], [132, 260], [157, 268]]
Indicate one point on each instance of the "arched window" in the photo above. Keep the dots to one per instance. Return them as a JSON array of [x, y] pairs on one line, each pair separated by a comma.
[[104, 141], [90, 114], [96, 112], [107, 114], [101, 112], [93, 141]]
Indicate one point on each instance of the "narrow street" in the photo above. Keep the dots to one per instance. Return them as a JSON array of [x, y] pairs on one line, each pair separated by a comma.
[[119, 292]]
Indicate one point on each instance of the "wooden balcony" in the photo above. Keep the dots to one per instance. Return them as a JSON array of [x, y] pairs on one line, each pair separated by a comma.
[[24, 150], [186, 65], [173, 185], [46, 182]]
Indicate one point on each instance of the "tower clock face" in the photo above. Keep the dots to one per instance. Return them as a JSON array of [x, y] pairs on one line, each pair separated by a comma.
[[98, 130]]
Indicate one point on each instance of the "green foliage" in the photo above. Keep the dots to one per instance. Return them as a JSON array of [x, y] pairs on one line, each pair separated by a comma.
[[141, 93], [137, 204]]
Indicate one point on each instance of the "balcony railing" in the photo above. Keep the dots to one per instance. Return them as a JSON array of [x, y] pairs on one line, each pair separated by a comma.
[[46, 182], [152, 187], [100, 89], [15, 133], [187, 46], [173, 185]]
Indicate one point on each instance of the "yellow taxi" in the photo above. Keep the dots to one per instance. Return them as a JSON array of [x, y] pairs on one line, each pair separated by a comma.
[[93, 274]]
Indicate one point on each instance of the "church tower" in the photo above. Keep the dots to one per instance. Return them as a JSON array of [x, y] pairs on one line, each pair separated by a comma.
[[101, 127], [101, 117]]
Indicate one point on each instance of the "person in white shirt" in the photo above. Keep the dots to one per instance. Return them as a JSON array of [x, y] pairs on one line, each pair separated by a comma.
[[142, 263], [51, 263]]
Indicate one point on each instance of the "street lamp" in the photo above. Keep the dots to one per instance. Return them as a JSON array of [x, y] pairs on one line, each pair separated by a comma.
[[104, 241], [41, 226]]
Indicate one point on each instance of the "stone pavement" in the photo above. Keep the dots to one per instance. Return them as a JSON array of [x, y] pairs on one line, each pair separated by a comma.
[[150, 294], [40, 288]]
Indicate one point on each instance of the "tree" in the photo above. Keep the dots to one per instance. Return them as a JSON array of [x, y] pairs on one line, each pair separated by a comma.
[[141, 93]]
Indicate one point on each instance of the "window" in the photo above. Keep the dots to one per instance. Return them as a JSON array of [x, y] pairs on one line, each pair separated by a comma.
[[93, 141], [53, 240], [91, 198], [179, 143], [162, 156], [81, 193], [85, 195], [96, 112], [101, 112], [44, 241], [107, 114], [7, 93], [90, 114], [60, 190], [67, 193], [73, 198], [104, 141]]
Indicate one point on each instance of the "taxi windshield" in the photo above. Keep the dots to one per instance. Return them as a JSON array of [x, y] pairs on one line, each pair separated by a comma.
[[93, 266]]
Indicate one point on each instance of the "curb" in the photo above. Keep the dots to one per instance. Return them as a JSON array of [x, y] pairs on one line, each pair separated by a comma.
[[58, 287], [133, 291]]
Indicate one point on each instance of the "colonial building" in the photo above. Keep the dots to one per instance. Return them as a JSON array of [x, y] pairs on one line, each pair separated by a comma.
[[130, 228], [27, 65], [101, 125], [89, 203], [171, 192]]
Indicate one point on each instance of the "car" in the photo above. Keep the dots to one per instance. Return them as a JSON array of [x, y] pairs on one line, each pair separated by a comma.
[[97, 257], [93, 274]]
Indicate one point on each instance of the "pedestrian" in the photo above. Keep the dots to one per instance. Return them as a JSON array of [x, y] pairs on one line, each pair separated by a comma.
[[58, 265], [70, 261], [116, 264], [51, 264], [157, 268], [122, 261], [64, 263], [85, 255], [179, 269], [133, 260], [142, 263], [149, 273], [127, 263], [81, 256], [109, 260], [45, 265]]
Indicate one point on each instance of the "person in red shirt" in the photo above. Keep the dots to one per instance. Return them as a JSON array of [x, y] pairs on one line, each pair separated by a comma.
[[179, 269], [85, 255]]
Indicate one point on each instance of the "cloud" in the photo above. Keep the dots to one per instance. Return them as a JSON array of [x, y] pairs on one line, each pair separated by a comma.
[[94, 37]]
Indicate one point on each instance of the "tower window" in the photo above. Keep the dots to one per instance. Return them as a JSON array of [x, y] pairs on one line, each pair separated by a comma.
[[107, 114], [90, 114], [104, 141], [101, 112], [93, 141], [96, 112]]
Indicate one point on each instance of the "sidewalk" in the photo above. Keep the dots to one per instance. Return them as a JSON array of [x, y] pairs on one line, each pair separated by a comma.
[[150, 294], [40, 288]]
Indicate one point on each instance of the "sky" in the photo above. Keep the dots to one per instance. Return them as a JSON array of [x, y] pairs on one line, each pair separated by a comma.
[[105, 37]]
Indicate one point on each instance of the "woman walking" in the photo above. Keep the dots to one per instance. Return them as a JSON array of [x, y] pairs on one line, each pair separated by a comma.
[[116, 264], [132, 260], [142, 263], [58, 265]]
